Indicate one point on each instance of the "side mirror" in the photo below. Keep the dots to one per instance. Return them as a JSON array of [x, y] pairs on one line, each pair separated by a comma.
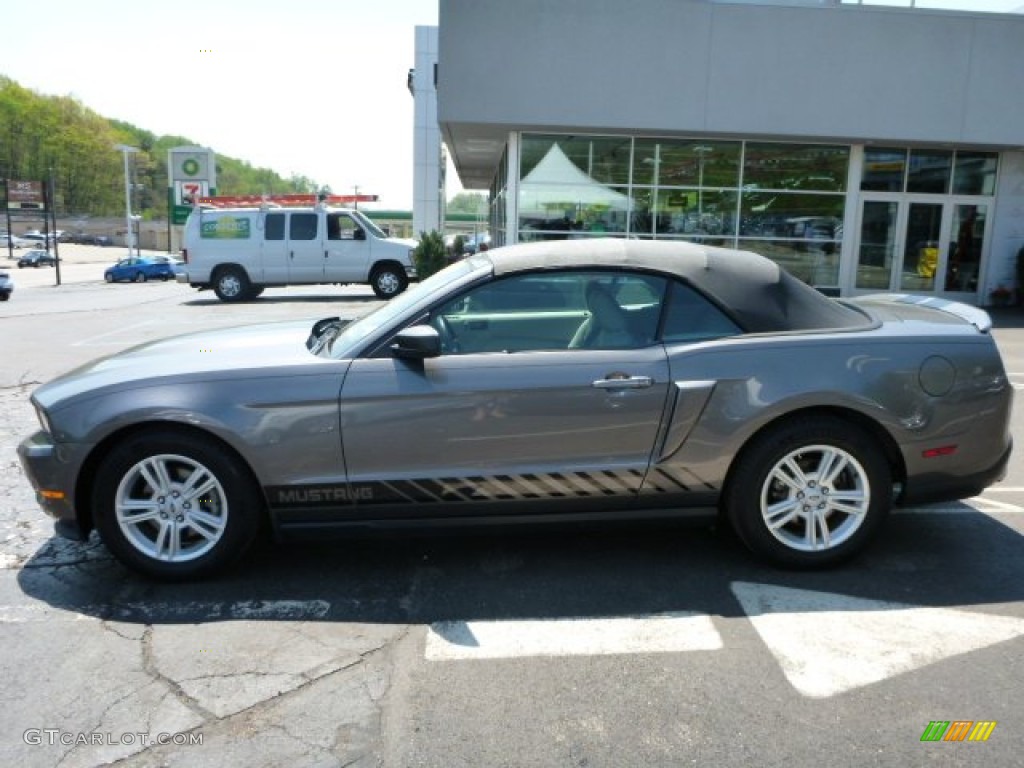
[[358, 234], [417, 342]]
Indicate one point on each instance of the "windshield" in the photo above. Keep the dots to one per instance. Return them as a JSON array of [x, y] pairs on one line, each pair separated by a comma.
[[351, 338], [374, 229]]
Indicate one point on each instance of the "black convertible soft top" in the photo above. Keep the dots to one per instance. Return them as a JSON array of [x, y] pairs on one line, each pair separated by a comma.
[[759, 294]]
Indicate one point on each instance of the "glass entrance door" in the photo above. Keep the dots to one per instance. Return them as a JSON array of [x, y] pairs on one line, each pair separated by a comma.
[[919, 245], [876, 244], [966, 238]]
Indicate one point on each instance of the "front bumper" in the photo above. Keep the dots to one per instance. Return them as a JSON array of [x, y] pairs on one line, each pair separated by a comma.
[[50, 475]]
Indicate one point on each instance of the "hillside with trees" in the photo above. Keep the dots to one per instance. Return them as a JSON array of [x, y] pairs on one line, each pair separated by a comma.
[[43, 137]]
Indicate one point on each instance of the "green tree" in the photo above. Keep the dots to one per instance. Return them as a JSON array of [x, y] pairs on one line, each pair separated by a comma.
[[468, 202], [430, 255]]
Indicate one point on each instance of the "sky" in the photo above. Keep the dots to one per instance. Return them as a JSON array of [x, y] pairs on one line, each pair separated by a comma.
[[314, 87]]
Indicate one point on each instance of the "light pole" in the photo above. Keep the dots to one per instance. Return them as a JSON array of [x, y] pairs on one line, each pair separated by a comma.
[[127, 150]]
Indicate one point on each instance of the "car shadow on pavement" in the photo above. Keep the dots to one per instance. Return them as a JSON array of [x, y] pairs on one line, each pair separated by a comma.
[[320, 299], [951, 557]]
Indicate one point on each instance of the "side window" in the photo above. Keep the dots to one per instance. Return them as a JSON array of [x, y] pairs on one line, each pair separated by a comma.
[[341, 226], [302, 226], [691, 317], [553, 311], [273, 226]]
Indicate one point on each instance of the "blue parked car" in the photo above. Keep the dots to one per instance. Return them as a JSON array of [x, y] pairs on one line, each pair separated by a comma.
[[140, 269]]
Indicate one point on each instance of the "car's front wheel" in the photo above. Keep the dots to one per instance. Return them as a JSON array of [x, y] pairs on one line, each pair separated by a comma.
[[809, 493], [174, 507], [108, 277]]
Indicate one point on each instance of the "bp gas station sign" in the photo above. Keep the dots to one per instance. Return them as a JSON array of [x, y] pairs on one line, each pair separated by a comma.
[[192, 172]]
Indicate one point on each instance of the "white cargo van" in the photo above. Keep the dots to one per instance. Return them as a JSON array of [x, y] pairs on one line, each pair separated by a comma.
[[240, 251]]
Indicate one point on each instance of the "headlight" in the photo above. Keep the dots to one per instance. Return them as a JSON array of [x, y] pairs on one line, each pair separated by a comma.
[[44, 419]]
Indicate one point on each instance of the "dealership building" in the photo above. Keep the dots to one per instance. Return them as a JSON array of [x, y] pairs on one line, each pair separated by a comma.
[[865, 148]]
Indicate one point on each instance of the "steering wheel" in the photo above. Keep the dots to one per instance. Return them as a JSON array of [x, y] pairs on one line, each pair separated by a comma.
[[449, 340]]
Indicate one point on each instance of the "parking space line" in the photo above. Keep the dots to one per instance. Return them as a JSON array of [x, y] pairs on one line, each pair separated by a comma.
[[94, 341], [658, 633]]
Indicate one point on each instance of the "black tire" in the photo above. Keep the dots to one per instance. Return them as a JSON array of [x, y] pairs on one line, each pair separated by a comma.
[[140, 277], [4, 296], [195, 507], [388, 280], [108, 277], [825, 482], [231, 284]]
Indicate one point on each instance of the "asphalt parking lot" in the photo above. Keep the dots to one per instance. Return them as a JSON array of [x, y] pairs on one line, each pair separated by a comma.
[[661, 646]]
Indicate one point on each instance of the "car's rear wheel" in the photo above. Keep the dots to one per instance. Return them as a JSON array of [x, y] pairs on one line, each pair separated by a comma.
[[174, 507], [140, 277], [108, 277], [809, 493], [388, 280], [231, 284]]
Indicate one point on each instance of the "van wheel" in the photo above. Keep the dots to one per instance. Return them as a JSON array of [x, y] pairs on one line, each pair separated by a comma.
[[231, 284], [388, 280]]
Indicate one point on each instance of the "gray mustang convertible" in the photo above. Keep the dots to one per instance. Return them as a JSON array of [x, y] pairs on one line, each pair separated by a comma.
[[576, 380]]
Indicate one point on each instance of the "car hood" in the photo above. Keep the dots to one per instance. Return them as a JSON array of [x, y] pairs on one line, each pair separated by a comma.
[[204, 356]]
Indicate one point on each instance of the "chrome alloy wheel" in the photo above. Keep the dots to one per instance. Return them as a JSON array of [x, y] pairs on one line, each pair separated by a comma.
[[230, 285], [388, 283], [815, 498], [171, 508]]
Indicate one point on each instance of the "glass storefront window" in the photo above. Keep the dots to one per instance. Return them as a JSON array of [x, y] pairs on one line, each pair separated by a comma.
[[929, 171], [675, 163], [884, 169], [695, 213], [566, 159], [813, 262], [812, 167], [554, 211], [975, 173], [772, 214]]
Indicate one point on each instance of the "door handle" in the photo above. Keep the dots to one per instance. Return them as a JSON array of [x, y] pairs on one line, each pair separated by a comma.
[[614, 381]]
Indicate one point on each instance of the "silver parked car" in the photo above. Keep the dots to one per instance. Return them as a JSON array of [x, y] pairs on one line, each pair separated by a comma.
[[554, 381]]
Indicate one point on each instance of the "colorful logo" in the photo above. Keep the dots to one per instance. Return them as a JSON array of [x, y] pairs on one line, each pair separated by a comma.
[[225, 228], [958, 730]]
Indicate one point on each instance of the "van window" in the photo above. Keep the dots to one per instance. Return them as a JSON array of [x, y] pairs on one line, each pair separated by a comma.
[[273, 226], [341, 226], [302, 226]]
